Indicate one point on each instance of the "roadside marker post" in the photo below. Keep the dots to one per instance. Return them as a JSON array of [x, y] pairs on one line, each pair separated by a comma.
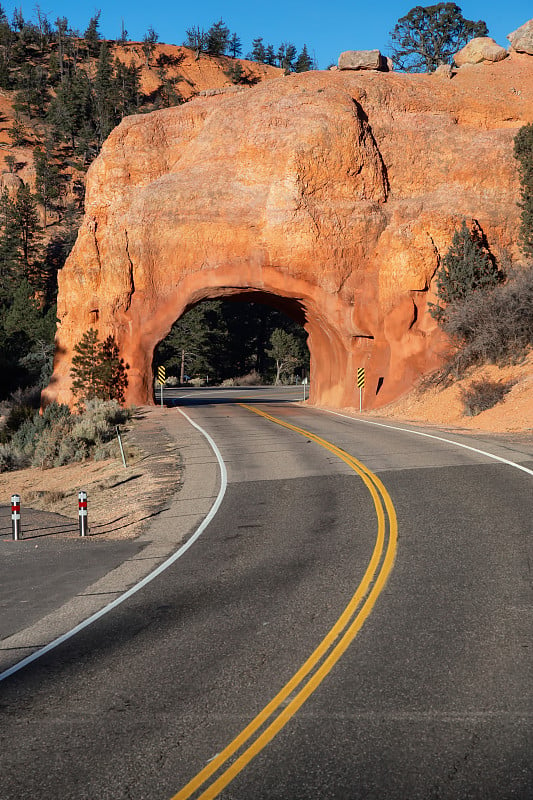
[[82, 513], [360, 384], [161, 377], [304, 382], [16, 528]]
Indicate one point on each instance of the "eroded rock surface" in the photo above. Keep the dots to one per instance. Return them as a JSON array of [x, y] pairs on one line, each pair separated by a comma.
[[522, 38], [330, 194]]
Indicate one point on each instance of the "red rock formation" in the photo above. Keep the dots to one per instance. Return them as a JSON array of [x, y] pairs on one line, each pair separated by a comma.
[[331, 194]]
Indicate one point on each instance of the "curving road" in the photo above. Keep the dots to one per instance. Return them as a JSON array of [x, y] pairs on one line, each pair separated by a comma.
[[431, 699]]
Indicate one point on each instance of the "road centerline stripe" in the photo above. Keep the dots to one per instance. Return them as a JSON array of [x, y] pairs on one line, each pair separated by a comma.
[[325, 656]]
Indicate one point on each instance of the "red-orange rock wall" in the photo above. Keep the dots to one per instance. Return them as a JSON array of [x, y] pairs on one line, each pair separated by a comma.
[[337, 190]]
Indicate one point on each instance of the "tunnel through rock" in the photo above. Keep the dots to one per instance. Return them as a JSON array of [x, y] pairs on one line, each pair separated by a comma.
[[241, 339]]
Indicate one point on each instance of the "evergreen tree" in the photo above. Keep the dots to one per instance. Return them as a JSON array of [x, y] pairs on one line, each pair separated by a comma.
[[47, 178], [10, 270], [465, 268], [258, 50], [92, 35], [30, 234], [286, 56], [149, 42], [304, 62], [104, 92], [127, 87], [235, 46], [97, 370], [112, 372], [270, 56], [18, 132], [523, 150], [218, 37]]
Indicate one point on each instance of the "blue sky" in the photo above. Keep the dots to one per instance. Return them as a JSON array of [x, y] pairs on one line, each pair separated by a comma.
[[327, 28]]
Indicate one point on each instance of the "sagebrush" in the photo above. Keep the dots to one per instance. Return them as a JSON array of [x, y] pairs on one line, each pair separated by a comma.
[[484, 394], [59, 437]]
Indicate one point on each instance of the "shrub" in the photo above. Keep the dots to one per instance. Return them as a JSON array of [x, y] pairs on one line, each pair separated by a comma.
[[253, 378], [484, 394], [492, 326], [466, 268], [58, 437]]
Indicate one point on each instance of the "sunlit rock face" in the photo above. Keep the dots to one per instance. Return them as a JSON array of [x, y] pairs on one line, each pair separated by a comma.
[[332, 195]]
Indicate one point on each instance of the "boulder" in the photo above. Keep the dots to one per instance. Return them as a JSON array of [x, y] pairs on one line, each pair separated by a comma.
[[363, 59], [522, 38], [482, 48], [444, 71]]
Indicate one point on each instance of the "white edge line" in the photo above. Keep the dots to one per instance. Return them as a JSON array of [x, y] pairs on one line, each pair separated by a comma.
[[432, 436], [150, 577]]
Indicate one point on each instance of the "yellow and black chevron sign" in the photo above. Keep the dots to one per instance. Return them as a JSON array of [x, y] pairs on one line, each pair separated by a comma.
[[360, 377], [161, 375]]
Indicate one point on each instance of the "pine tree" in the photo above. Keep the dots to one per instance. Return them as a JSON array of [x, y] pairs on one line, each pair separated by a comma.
[[286, 56], [92, 35], [97, 370], [104, 95], [304, 62], [235, 46], [112, 373], [258, 50], [149, 42], [30, 233], [465, 268], [523, 150], [218, 37], [270, 56], [47, 178]]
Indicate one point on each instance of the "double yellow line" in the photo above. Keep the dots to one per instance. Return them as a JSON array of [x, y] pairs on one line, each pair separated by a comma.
[[234, 758]]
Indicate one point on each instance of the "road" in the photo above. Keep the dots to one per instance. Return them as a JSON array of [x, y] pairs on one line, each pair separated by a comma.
[[431, 698]]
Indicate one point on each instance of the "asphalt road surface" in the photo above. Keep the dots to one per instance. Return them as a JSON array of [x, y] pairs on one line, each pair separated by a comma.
[[423, 690]]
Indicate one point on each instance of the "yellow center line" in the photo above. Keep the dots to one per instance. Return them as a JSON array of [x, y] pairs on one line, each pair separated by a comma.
[[347, 625]]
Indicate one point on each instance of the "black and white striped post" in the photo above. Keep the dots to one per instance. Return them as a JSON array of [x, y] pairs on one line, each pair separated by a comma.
[[360, 385], [82, 513], [16, 529]]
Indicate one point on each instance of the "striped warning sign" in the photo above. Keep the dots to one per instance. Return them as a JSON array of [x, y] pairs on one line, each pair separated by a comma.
[[360, 377], [161, 375]]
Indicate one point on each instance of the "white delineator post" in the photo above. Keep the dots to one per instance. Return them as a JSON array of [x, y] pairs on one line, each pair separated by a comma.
[[82, 513], [16, 529]]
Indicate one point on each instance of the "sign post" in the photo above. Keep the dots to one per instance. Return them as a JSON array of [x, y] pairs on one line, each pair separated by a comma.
[[360, 384], [304, 382], [161, 377]]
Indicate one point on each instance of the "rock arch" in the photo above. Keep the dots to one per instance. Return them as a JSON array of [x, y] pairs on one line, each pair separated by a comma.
[[336, 192]]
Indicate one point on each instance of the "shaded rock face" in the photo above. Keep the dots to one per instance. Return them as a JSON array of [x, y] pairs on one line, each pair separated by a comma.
[[331, 195], [522, 38]]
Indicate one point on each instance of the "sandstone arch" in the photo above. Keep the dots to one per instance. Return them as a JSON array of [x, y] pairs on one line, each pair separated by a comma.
[[335, 191]]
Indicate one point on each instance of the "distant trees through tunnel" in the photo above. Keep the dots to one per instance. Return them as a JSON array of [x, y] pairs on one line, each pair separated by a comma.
[[236, 341]]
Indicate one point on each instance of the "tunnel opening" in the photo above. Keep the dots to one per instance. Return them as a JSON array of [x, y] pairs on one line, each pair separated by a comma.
[[245, 338]]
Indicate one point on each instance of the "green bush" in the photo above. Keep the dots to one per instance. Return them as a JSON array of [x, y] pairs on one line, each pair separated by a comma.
[[58, 437], [484, 394]]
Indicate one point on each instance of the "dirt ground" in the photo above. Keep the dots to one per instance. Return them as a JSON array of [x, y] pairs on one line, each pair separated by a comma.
[[444, 407], [121, 501]]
